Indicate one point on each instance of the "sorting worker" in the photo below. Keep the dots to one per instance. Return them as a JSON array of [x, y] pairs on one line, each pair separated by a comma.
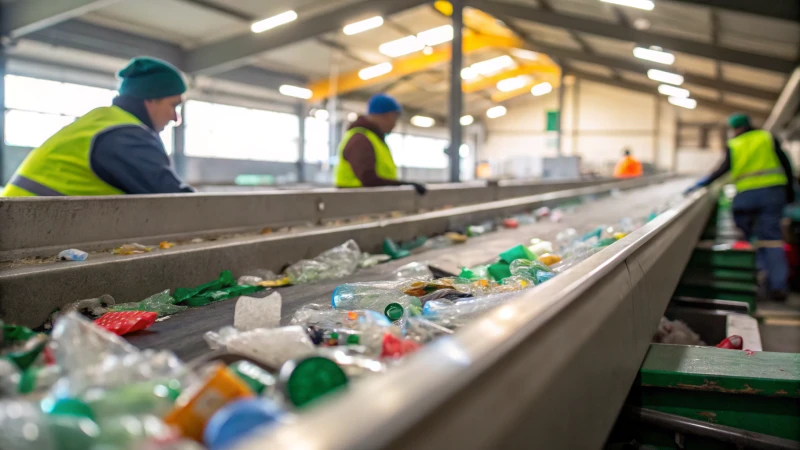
[[628, 166], [762, 174], [364, 157], [115, 149]]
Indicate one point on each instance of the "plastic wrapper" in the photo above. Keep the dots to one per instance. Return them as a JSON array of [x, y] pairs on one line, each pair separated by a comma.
[[335, 263], [222, 288], [131, 249], [161, 303], [249, 280], [92, 307], [566, 237], [251, 313], [271, 347], [78, 343], [532, 270], [413, 271], [539, 247], [368, 260], [73, 254]]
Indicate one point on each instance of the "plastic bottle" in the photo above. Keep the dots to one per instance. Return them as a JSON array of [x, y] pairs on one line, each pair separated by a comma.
[[73, 254], [237, 419], [373, 296], [413, 271]]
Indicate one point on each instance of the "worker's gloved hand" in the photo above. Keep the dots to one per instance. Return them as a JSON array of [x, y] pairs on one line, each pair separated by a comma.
[[420, 188], [691, 189]]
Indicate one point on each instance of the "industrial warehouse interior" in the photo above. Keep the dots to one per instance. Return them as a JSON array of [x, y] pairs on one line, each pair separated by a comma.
[[352, 224]]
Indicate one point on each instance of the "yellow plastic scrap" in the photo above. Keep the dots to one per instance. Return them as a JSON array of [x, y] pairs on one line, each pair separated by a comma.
[[619, 236], [275, 283], [166, 244], [266, 231], [131, 249], [456, 238], [549, 259]]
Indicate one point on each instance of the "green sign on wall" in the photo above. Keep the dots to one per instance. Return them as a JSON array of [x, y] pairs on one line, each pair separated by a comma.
[[552, 120]]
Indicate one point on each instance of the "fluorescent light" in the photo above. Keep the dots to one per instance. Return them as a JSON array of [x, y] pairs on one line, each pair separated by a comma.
[[647, 5], [525, 54], [492, 66], [468, 73], [321, 114], [466, 120], [655, 54], [363, 25], [422, 121], [496, 111], [672, 91], [436, 36], [274, 21], [375, 71], [295, 91], [402, 46], [541, 89], [351, 117], [688, 103], [665, 77], [427, 51], [463, 151], [512, 84]]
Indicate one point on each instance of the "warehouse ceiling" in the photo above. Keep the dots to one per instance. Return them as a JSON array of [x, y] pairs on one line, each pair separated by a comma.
[[734, 55]]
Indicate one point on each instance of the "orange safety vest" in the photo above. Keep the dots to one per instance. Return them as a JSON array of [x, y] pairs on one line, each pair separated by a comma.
[[628, 167]]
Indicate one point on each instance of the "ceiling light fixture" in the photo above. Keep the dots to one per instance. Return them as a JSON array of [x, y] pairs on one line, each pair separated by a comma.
[[512, 84], [688, 103], [402, 46], [673, 91], [463, 150], [665, 77], [423, 122], [646, 5], [468, 73], [274, 21], [363, 25], [492, 66], [541, 89], [375, 71], [436, 36], [295, 91], [655, 54], [496, 111], [466, 120], [321, 114]]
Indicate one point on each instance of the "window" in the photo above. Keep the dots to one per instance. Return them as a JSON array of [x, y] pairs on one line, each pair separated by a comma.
[[418, 151], [36, 109], [221, 131], [317, 141]]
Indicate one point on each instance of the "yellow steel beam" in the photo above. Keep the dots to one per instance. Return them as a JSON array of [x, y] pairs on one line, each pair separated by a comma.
[[487, 82], [499, 96], [475, 19], [405, 65]]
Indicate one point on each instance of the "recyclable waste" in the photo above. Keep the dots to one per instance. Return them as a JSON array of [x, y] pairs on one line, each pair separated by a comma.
[[73, 254], [335, 263]]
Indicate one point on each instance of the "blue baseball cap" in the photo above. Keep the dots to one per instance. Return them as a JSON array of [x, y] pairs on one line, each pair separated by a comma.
[[382, 103]]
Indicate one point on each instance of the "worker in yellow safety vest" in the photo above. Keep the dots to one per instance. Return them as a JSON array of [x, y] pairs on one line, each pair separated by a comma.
[[762, 174], [115, 149], [364, 157]]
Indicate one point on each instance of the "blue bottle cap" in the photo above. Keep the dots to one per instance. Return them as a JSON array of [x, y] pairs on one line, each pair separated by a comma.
[[237, 419]]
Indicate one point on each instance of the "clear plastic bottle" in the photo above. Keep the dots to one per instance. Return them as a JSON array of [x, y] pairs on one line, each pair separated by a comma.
[[374, 296]]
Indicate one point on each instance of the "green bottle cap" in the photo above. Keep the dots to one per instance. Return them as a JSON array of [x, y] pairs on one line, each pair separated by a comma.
[[71, 407], [334, 335], [466, 274], [394, 311], [353, 339], [309, 379], [27, 382]]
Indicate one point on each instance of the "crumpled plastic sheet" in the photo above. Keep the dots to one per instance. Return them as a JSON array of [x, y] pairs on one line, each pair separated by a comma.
[[270, 346], [161, 303], [335, 263]]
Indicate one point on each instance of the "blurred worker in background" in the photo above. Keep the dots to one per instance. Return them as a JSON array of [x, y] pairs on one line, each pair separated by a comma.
[[364, 158], [628, 166], [763, 177], [115, 149]]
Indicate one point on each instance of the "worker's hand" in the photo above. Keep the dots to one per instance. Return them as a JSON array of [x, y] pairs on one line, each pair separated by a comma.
[[691, 189], [420, 188]]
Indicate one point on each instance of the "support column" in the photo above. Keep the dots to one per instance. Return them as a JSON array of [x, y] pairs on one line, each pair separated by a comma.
[[657, 132], [302, 112], [179, 145], [576, 114], [560, 140], [3, 179], [456, 94]]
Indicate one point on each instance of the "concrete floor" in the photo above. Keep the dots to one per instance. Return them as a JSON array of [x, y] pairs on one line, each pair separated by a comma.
[[780, 325]]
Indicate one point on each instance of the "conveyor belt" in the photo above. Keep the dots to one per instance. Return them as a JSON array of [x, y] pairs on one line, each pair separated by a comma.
[[183, 332]]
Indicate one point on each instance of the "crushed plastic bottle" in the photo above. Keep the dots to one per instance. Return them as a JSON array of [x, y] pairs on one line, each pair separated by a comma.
[[372, 296], [539, 247], [249, 280], [131, 249], [460, 313], [269, 346], [161, 303], [335, 263], [413, 271]]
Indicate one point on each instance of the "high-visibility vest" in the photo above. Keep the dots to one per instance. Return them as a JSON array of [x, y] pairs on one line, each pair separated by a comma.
[[628, 167], [384, 163], [61, 166], [754, 163]]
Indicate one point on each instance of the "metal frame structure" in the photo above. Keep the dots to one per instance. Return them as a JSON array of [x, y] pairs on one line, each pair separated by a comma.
[[524, 364]]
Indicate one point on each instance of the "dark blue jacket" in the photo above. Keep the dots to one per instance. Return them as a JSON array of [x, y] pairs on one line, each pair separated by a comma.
[[133, 159]]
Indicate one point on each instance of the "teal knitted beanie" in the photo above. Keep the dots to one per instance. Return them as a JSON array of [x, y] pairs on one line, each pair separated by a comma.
[[739, 121], [149, 78]]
